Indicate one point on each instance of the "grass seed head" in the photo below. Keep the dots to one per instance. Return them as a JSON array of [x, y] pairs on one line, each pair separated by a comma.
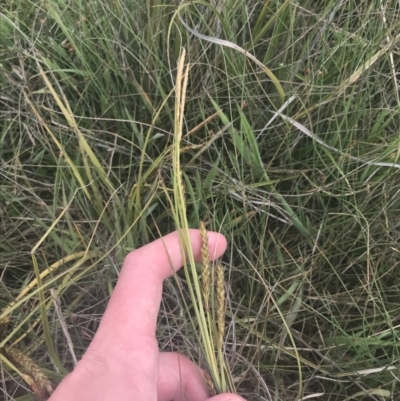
[[38, 381], [210, 384], [220, 303], [205, 267]]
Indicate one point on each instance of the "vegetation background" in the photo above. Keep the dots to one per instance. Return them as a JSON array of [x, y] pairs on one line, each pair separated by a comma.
[[292, 156]]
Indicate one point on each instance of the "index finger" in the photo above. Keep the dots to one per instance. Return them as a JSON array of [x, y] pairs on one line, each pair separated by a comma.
[[133, 308]]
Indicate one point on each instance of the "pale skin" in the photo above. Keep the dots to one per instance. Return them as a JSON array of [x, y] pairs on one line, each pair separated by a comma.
[[123, 362]]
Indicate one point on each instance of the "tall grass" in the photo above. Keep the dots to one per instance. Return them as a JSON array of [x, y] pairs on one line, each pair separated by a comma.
[[288, 145]]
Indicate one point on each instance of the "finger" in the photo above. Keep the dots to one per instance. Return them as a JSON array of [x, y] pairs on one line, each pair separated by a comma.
[[179, 379], [226, 397], [132, 312]]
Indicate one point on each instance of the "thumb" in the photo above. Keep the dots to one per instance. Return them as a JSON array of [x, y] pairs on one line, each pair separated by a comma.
[[226, 397]]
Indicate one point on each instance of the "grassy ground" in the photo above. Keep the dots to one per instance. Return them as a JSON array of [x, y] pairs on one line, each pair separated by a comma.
[[308, 198]]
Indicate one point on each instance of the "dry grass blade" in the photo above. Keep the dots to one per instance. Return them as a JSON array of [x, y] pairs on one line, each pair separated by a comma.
[[234, 46], [69, 116]]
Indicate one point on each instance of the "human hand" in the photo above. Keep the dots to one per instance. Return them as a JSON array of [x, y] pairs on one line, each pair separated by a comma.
[[123, 362]]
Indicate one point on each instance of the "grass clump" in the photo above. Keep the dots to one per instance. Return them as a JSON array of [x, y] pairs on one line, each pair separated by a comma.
[[281, 133]]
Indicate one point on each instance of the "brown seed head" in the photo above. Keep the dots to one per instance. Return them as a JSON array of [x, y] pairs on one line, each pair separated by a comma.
[[205, 267], [210, 384], [220, 304], [38, 381]]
